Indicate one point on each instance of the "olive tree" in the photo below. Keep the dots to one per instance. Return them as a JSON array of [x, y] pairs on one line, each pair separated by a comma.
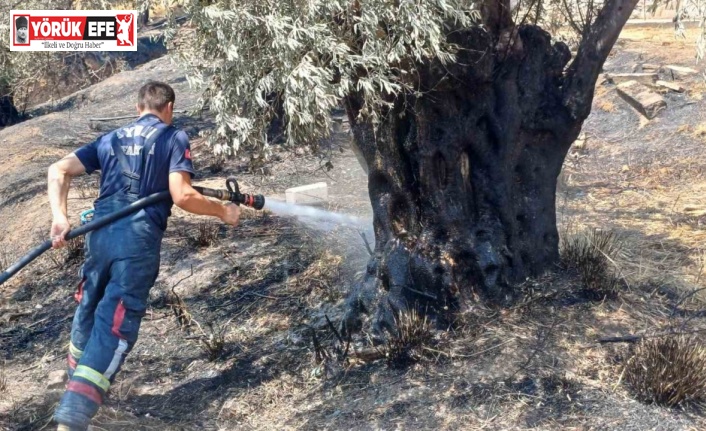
[[463, 111], [690, 9]]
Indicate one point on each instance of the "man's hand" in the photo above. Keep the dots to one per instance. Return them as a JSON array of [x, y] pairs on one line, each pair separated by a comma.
[[231, 215], [188, 199], [59, 228], [59, 178]]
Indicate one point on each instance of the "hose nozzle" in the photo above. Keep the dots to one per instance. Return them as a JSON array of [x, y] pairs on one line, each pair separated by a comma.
[[233, 195], [252, 201]]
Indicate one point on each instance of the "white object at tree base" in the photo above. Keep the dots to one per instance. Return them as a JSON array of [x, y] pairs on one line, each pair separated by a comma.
[[670, 86], [310, 194], [680, 70], [643, 78], [640, 97]]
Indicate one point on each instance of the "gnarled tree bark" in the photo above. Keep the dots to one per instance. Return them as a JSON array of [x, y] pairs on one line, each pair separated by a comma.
[[462, 180]]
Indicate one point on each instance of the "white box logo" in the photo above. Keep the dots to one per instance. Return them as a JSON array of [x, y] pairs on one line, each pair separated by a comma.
[[73, 30]]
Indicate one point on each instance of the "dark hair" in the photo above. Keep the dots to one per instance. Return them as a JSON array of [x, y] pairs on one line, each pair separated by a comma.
[[21, 22], [155, 96]]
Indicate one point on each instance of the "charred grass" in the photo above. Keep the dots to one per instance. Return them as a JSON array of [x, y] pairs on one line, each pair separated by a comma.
[[593, 255], [204, 234], [411, 342], [75, 250], [239, 351], [669, 371], [3, 379]]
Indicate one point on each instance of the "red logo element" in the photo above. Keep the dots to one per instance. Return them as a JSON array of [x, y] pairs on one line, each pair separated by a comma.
[[187, 154], [125, 29]]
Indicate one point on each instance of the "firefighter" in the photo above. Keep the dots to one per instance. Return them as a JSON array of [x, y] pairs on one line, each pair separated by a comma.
[[122, 259]]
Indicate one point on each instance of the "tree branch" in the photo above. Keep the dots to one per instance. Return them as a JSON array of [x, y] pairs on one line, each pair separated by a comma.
[[497, 15], [593, 51], [570, 18]]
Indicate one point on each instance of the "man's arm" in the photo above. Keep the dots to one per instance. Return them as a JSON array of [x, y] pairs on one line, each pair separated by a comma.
[[59, 179], [188, 199]]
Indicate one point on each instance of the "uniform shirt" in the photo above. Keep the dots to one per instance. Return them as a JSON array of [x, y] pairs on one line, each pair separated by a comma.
[[171, 153]]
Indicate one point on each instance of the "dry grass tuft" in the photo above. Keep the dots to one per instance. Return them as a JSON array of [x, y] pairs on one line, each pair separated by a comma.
[[178, 306], [75, 249], [212, 342], [668, 371], [204, 235], [72, 253], [412, 341], [591, 253], [684, 128], [7, 257], [700, 131], [322, 274], [3, 379], [180, 309], [87, 187], [86, 191], [607, 106]]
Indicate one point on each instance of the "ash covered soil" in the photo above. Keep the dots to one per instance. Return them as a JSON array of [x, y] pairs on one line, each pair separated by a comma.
[[228, 341]]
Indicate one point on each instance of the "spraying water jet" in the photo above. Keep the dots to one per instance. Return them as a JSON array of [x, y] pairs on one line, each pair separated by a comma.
[[314, 216]]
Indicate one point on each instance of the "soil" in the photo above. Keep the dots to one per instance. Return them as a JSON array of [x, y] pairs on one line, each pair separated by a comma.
[[266, 287]]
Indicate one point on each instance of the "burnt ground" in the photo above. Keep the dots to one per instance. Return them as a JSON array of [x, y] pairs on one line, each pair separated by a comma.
[[264, 288]]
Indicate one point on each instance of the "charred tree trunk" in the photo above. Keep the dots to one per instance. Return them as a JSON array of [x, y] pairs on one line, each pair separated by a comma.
[[143, 18], [276, 133], [462, 180]]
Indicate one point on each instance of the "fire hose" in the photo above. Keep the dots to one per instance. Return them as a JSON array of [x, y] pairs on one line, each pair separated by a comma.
[[232, 194]]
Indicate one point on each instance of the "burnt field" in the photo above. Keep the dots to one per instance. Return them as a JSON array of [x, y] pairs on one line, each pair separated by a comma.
[[237, 336]]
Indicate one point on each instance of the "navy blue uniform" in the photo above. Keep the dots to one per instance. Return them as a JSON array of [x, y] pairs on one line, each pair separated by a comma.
[[122, 258], [171, 153]]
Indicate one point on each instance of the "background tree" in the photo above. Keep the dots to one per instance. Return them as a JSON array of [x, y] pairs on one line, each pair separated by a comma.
[[689, 9], [8, 112], [464, 112]]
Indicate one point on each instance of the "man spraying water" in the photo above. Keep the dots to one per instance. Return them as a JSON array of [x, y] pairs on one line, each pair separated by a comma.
[[122, 258]]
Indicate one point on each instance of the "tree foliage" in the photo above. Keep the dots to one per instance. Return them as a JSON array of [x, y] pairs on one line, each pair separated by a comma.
[[311, 53], [567, 20], [690, 9]]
